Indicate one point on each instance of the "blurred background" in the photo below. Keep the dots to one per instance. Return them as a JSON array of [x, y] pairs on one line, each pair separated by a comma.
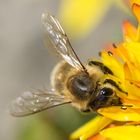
[[26, 64]]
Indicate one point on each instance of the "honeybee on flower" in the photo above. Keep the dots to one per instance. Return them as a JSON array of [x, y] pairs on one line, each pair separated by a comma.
[[88, 87], [109, 87]]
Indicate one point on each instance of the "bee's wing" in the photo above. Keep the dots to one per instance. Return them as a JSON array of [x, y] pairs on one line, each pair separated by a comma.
[[32, 102], [60, 40]]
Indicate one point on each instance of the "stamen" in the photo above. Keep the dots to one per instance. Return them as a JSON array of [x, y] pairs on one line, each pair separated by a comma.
[[110, 53], [100, 54], [124, 107], [114, 45]]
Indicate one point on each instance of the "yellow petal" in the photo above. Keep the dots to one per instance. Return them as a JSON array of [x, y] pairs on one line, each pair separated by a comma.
[[134, 102], [97, 137], [129, 31], [113, 64], [118, 114], [129, 132], [133, 90], [135, 1], [136, 10], [129, 53], [91, 128], [127, 71], [79, 17], [133, 52]]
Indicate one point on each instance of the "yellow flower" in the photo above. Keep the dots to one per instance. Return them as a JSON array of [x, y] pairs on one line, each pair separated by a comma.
[[80, 16], [117, 123]]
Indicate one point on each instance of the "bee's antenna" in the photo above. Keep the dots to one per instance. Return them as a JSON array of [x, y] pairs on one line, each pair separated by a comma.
[[83, 67]]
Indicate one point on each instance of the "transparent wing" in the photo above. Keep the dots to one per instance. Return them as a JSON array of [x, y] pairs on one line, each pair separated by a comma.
[[29, 103], [60, 40]]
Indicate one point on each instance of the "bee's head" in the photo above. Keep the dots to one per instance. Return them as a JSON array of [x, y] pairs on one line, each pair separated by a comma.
[[81, 86], [105, 95]]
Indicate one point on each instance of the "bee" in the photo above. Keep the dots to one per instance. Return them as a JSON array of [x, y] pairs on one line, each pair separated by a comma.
[[82, 85]]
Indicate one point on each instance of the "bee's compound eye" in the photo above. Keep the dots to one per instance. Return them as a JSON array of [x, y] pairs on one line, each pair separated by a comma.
[[106, 92], [104, 97]]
